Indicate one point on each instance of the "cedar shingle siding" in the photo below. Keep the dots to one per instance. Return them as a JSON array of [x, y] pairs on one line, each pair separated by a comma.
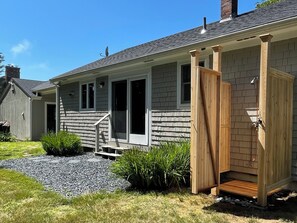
[[82, 122], [168, 123], [239, 67]]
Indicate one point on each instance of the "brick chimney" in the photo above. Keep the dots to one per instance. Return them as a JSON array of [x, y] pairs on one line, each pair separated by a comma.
[[11, 72], [229, 9]]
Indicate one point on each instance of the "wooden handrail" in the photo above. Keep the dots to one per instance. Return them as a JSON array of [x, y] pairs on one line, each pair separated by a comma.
[[104, 117]]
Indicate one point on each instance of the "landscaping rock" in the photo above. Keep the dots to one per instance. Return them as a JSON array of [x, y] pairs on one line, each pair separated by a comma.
[[69, 176]]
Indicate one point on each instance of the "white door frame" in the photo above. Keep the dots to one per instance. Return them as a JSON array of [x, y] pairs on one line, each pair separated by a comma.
[[45, 114], [135, 139]]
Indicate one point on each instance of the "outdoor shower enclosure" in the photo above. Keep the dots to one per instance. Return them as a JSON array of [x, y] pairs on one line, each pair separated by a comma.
[[210, 128]]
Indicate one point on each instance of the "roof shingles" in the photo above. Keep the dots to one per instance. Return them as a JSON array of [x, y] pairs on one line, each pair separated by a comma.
[[277, 12], [43, 86], [27, 85]]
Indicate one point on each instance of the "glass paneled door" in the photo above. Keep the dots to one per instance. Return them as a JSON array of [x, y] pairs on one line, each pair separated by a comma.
[[138, 111], [50, 125], [129, 111], [119, 110]]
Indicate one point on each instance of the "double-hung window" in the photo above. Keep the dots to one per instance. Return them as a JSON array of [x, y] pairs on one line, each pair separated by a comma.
[[185, 83], [185, 88], [87, 96]]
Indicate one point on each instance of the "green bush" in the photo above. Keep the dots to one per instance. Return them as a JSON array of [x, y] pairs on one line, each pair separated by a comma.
[[6, 137], [265, 3], [163, 167], [61, 144]]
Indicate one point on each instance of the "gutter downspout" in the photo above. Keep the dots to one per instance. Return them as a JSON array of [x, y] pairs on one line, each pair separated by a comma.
[[57, 107], [30, 119], [31, 99]]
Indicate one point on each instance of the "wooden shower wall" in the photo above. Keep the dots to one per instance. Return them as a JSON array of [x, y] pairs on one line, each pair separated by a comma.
[[205, 122], [275, 131], [204, 135], [225, 135], [278, 130]]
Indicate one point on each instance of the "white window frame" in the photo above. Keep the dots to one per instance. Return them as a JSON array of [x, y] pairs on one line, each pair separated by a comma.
[[80, 96], [181, 105]]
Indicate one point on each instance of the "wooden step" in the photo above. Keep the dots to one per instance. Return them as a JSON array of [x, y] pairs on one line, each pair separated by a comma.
[[111, 152], [114, 147], [107, 155], [243, 188]]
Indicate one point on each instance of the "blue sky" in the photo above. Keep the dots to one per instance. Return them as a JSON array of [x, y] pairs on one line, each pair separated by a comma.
[[46, 38]]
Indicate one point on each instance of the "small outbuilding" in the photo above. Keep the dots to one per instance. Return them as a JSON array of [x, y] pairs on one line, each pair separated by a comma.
[[29, 113]]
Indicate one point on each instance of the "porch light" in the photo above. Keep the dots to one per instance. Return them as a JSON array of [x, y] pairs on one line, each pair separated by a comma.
[[101, 84], [71, 93]]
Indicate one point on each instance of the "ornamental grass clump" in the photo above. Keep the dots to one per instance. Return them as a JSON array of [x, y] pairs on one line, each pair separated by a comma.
[[163, 167], [61, 144], [6, 137]]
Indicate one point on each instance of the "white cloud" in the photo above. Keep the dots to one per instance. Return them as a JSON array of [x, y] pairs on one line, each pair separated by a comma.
[[21, 47]]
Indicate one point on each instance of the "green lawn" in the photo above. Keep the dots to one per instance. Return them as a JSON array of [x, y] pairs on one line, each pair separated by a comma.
[[12, 150], [22, 199]]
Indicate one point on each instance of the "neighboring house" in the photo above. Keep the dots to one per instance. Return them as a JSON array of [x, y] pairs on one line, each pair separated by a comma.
[[146, 89], [3, 84], [29, 114], [10, 72]]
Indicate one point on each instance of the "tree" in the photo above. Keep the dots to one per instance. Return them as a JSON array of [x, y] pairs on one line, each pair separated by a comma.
[[265, 3], [1, 61]]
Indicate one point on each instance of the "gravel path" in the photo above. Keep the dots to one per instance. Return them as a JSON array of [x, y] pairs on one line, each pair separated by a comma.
[[69, 176]]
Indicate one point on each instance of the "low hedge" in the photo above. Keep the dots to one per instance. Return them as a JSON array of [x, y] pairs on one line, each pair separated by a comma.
[[61, 144], [163, 167]]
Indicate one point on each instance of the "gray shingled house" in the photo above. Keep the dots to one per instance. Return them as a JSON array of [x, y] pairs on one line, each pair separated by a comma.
[[29, 113], [141, 95], [10, 72]]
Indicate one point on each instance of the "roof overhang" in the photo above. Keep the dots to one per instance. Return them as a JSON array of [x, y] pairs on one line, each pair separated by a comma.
[[47, 91], [283, 29]]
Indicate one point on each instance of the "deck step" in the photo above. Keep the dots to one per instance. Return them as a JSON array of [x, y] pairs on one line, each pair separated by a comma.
[[111, 152], [107, 155], [114, 147]]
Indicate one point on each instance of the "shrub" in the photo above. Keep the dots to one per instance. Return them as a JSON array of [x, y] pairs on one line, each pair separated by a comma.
[[61, 144], [6, 137], [163, 167], [265, 3]]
